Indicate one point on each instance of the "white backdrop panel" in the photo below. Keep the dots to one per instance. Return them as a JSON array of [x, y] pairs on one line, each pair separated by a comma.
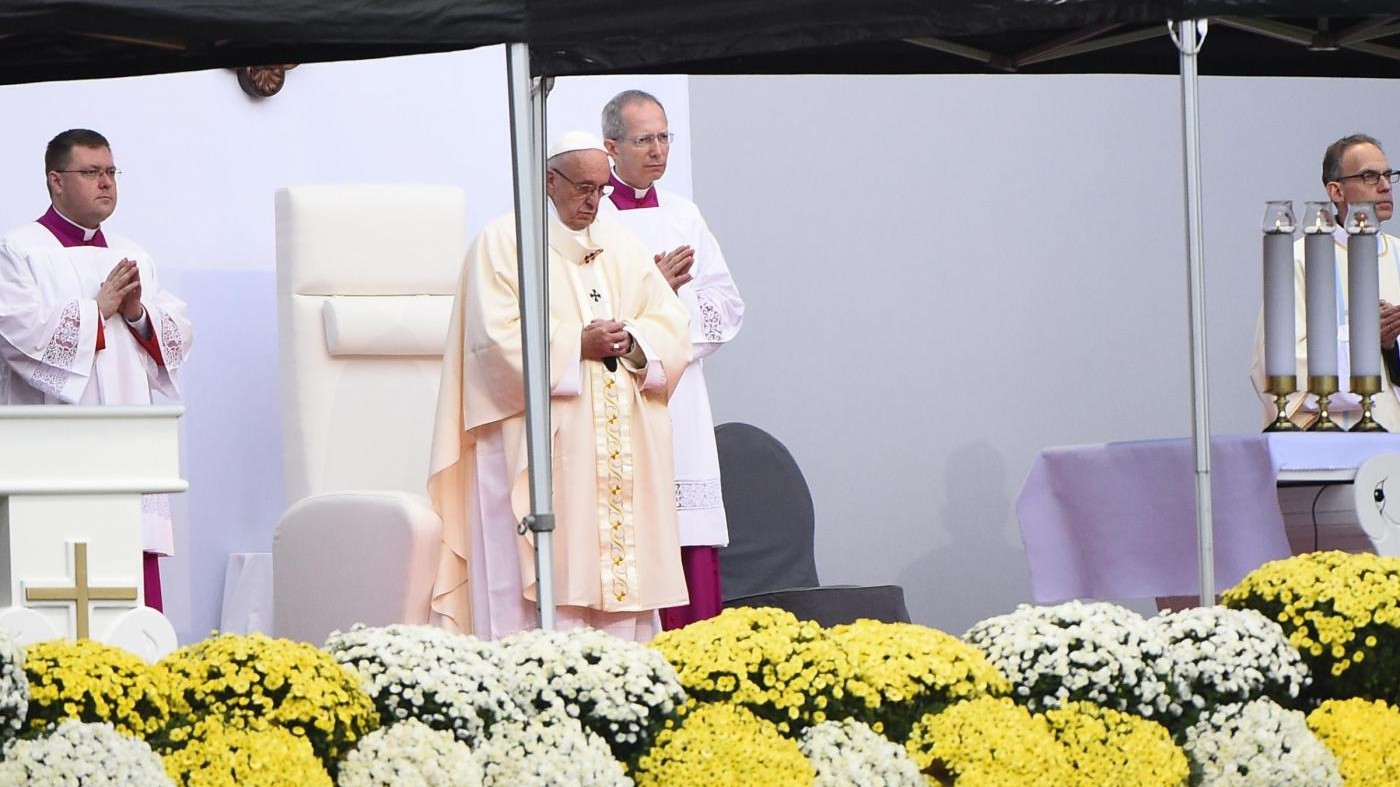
[[946, 274]]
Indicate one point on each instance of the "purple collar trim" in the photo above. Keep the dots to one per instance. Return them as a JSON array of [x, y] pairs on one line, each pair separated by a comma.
[[68, 233], [625, 197]]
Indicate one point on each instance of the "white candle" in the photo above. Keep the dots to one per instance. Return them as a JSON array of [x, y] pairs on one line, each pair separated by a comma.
[[1363, 291], [1280, 337], [1320, 289]]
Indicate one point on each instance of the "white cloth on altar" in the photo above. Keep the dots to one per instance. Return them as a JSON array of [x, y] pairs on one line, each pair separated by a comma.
[[716, 315], [1118, 520], [1345, 406], [48, 337]]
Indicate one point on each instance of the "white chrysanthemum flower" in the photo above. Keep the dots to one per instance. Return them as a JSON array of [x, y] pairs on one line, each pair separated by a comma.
[[79, 754], [410, 754], [621, 690], [548, 750], [447, 681], [1222, 656], [1098, 652], [849, 752], [1257, 744], [14, 687]]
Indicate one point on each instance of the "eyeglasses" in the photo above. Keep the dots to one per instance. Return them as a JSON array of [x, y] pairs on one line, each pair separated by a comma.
[[647, 140], [585, 190], [93, 173], [1371, 177]]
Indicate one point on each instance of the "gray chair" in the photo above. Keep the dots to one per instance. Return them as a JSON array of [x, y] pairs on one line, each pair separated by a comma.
[[770, 559]]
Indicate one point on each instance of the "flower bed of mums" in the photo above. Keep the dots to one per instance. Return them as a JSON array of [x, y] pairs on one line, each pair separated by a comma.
[[1278, 686]]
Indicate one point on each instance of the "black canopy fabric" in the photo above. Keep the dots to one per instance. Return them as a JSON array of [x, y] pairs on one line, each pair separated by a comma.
[[1253, 37], [43, 40], [48, 40]]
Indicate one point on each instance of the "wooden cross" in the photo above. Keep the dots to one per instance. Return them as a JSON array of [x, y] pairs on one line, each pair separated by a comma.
[[81, 593]]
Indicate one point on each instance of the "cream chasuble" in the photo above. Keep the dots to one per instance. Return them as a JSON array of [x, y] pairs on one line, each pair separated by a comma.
[[616, 548], [1345, 408]]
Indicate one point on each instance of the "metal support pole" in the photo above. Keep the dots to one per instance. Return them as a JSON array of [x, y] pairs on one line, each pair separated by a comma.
[[1189, 35], [527, 159]]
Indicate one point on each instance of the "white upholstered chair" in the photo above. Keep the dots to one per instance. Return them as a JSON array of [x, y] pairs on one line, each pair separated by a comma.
[[365, 281]]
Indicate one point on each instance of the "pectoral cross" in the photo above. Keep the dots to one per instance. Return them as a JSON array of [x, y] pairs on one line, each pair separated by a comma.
[[596, 296]]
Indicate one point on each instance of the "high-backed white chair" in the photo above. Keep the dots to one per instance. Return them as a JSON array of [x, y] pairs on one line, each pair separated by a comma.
[[365, 281]]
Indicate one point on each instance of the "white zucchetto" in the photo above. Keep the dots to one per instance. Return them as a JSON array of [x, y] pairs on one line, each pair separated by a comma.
[[575, 140]]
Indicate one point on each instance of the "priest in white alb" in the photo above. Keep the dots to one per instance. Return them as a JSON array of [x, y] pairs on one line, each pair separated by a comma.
[[618, 345], [83, 319], [638, 137]]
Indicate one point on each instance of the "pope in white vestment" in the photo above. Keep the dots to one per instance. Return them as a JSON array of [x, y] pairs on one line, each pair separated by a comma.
[[56, 347], [617, 558], [1345, 407]]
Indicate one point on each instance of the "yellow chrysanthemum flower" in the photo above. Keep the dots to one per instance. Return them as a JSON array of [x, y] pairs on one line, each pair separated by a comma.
[[782, 669], [1340, 610], [1105, 746], [92, 682], [1364, 736], [723, 745], [254, 679], [236, 757], [904, 671], [989, 742]]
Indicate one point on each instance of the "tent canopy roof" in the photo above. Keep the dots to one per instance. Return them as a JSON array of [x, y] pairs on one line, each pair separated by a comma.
[[44, 40]]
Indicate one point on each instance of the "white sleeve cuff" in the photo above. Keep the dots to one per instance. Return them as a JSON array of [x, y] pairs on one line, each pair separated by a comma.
[[142, 324], [654, 374]]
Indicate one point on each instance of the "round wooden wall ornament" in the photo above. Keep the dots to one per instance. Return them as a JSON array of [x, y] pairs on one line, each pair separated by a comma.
[[263, 81]]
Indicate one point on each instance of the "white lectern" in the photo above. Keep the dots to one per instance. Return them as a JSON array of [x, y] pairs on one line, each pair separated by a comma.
[[71, 481]]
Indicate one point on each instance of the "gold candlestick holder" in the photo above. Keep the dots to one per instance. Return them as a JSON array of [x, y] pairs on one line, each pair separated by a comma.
[[1323, 387], [1366, 386], [1281, 386]]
